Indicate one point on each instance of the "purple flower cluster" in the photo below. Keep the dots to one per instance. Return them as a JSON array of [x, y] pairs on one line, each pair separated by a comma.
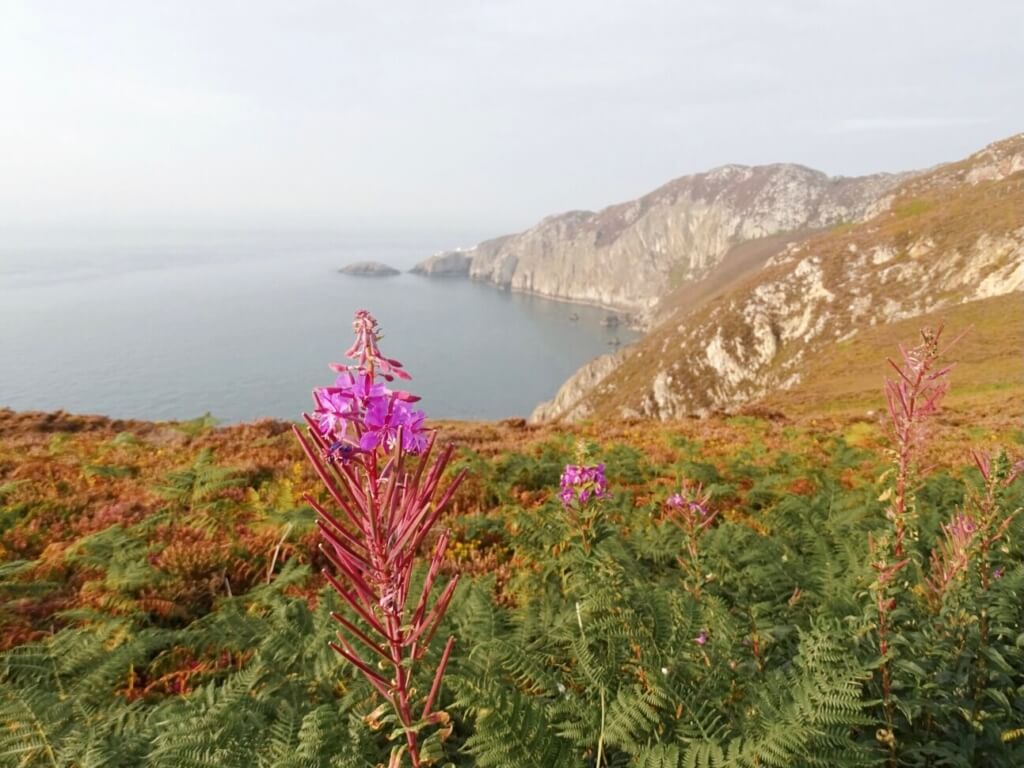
[[582, 483], [679, 503], [952, 556], [960, 530], [359, 413], [690, 507]]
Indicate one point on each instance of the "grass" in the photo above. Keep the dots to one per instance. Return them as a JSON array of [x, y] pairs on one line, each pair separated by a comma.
[[989, 369], [914, 207]]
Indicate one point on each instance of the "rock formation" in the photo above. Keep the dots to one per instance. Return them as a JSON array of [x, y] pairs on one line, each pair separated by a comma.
[[951, 236], [627, 256], [369, 269]]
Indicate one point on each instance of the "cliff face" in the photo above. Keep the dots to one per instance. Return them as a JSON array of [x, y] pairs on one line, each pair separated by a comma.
[[952, 236], [628, 256]]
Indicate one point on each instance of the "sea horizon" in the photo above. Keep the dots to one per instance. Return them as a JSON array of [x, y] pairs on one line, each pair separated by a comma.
[[240, 327]]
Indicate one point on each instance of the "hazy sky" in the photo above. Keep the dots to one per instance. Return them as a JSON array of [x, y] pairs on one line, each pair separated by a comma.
[[472, 115]]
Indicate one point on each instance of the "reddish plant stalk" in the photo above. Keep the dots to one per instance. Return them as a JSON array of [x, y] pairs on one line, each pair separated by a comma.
[[885, 602], [690, 510], [912, 398], [382, 513]]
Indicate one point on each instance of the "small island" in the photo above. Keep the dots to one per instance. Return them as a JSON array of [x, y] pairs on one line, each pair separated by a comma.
[[369, 269]]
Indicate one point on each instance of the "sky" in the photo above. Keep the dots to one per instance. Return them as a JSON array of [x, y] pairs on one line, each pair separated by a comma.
[[471, 115]]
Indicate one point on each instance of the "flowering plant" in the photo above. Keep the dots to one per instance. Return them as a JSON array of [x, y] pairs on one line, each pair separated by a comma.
[[581, 483], [359, 440], [971, 535], [690, 510], [913, 398]]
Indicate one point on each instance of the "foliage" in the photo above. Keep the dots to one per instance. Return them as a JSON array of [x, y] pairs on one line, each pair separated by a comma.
[[170, 615]]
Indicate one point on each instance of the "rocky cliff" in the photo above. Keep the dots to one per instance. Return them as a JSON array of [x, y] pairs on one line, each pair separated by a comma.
[[940, 240], [628, 256]]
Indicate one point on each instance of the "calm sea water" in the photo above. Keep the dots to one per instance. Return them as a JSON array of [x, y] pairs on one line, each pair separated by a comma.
[[246, 329]]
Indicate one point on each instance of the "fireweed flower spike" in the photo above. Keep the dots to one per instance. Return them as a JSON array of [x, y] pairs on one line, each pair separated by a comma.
[[913, 397], [690, 510], [972, 534], [583, 485], [381, 512]]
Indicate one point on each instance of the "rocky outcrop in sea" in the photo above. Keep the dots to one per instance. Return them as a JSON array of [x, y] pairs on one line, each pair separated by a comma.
[[369, 269]]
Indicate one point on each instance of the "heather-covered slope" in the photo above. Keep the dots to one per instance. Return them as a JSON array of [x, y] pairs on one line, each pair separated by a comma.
[[627, 256], [952, 236]]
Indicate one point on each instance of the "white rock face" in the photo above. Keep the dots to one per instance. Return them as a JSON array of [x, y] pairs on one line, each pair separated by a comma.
[[759, 337], [628, 256], [445, 264], [996, 265], [567, 401]]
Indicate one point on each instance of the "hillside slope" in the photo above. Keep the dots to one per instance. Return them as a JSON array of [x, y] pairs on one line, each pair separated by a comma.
[[952, 236], [628, 256]]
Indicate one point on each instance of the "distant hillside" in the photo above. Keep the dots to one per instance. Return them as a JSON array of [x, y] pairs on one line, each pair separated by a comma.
[[847, 375], [946, 243], [628, 256]]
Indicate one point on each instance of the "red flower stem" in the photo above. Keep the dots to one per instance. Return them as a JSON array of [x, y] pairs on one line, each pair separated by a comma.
[[321, 472], [356, 632], [331, 535], [436, 686]]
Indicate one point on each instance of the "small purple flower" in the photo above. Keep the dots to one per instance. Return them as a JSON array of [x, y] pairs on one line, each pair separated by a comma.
[[414, 434], [582, 483], [335, 408], [701, 638], [384, 417], [690, 508], [339, 451], [960, 531], [375, 412], [997, 574]]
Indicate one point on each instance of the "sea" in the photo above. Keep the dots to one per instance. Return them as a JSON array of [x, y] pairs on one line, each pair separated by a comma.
[[243, 326]]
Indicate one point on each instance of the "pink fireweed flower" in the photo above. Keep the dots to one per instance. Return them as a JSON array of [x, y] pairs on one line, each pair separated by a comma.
[[953, 554], [701, 638], [581, 484], [386, 418], [381, 512], [690, 511], [366, 351], [690, 508], [913, 399], [361, 413]]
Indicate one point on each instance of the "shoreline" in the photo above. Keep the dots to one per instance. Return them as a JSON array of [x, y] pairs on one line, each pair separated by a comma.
[[632, 319]]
